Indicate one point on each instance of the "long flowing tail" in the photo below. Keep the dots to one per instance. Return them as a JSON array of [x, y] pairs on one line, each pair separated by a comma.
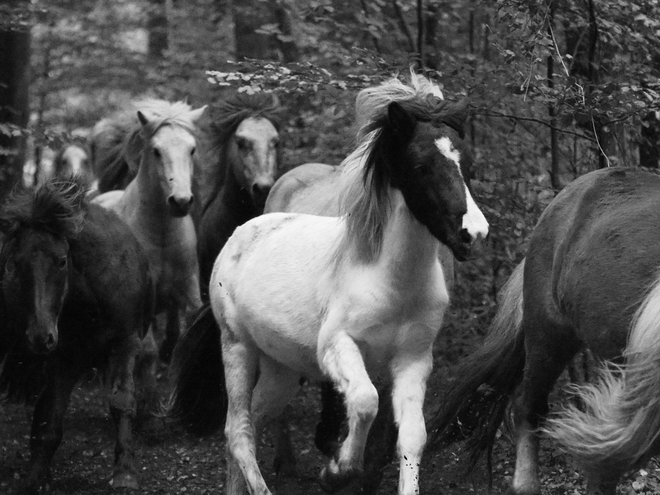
[[619, 425], [199, 398], [475, 404]]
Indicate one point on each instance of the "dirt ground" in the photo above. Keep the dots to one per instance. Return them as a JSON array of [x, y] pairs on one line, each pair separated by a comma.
[[171, 461]]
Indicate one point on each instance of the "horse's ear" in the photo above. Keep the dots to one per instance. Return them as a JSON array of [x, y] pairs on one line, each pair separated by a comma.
[[402, 123], [196, 114], [143, 120], [458, 114]]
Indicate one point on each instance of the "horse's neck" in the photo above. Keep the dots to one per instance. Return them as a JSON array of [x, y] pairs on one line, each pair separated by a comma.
[[235, 199], [409, 251], [144, 202]]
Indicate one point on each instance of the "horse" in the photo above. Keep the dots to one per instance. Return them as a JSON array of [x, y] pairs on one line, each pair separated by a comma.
[[345, 298], [314, 188], [76, 294], [590, 281], [239, 163], [158, 149]]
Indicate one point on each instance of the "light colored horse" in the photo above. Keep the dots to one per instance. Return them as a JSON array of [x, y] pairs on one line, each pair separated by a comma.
[[348, 298], [159, 149]]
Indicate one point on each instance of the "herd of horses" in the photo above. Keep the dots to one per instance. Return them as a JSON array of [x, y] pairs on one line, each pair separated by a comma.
[[339, 275]]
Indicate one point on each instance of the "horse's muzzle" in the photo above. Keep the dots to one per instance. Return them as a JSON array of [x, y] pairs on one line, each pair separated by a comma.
[[42, 342], [180, 206]]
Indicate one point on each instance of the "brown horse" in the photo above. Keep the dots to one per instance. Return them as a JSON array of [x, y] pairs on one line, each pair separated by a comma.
[[240, 160], [76, 294], [589, 280]]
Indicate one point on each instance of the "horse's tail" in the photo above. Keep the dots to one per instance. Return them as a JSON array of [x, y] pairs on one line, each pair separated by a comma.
[[618, 426], [476, 402], [199, 397]]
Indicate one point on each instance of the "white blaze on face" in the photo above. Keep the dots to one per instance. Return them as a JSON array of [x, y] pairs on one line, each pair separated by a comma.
[[474, 221]]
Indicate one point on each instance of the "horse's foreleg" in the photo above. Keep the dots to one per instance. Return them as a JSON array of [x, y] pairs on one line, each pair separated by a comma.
[[381, 444], [410, 373], [275, 388], [146, 370], [122, 409], [342, 361], [174, 318], [46, 433], [240, 360], [333, 415]]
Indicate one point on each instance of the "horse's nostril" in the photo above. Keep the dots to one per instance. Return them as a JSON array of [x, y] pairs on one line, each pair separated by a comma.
[[465, 236], [260, 189]]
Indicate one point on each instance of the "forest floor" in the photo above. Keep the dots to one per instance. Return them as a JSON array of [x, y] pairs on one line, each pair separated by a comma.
[[171, 461]]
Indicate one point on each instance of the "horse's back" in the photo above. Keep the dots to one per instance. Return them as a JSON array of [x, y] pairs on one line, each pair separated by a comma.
[[312, 188], [270, 284], [594, 254], [113, 270]]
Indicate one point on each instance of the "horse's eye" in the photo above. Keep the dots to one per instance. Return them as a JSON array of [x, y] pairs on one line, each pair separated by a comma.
[[192, 152], [243, 144], [10, 267], [61, 264], [157, 153]]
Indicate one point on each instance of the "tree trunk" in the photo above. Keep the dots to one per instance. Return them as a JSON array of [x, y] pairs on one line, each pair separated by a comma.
[[248, 17], [284, 13], [157, 27], [14, 108], [649, 147]]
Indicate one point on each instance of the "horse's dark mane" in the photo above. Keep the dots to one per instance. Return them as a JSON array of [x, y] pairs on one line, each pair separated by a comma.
[[228, 114], [57, 206], [225, 117], [429, 109]]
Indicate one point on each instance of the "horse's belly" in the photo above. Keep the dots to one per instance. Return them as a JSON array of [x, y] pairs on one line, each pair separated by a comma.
[[293, 352]]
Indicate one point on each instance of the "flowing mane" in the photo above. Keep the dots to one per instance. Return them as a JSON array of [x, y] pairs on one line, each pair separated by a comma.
[[57, 206], [365, 199]]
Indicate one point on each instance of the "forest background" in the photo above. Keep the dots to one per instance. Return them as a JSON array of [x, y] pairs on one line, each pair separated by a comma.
[[557, 88]]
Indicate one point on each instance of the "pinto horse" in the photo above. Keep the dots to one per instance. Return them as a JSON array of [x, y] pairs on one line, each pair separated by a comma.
[[315, 188], [76, 294], [347, 298], [239, 164], [158, 148], [589, 280]]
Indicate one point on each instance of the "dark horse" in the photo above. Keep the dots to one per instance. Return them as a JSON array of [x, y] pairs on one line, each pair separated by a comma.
[[590, 280], [76, 294], [240, 161]]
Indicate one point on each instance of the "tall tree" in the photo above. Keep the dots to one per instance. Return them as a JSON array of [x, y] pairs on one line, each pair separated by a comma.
[[14, 85]]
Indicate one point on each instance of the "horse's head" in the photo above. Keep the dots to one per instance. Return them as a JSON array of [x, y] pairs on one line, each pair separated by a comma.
[[35, 283], [72, 160], [167, 158], [253, 152], [428, 163]]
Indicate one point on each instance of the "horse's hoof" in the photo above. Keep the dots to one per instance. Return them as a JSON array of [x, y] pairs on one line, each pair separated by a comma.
[[331, 479], [124, 480]]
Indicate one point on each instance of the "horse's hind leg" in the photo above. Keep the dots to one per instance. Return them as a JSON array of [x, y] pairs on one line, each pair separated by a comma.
[[122, 409], [549, 348], [46, 433], [240, 360], [342, 360], [275, 388]]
